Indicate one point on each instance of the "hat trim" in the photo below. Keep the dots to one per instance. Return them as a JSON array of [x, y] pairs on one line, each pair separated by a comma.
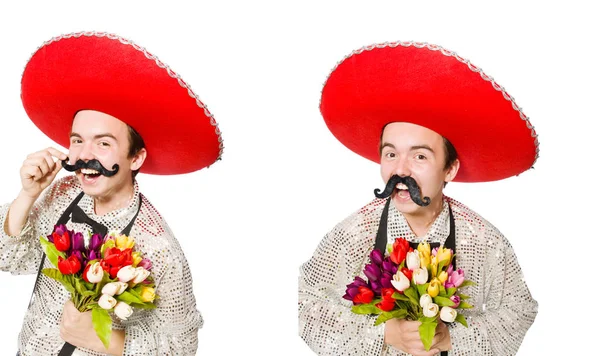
[[448, 53], [151, 57]]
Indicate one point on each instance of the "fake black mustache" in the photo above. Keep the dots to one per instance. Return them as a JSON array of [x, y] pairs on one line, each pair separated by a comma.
[[410, 183], [91, 164]]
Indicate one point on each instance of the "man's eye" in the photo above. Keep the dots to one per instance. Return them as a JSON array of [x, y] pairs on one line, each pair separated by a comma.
[[390, 155], [421, 157], [105, 144], [76, 140]]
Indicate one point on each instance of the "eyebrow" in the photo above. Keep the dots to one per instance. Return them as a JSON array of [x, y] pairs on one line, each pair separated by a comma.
[[109, 135], [413, 148]]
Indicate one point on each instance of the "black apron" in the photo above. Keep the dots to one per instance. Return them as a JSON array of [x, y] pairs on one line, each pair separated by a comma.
[[74, 212], [381, 239]]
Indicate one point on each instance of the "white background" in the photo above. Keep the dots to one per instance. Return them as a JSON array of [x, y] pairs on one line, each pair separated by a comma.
[[248, 222]]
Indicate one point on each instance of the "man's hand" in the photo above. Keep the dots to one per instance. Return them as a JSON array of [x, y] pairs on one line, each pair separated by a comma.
[[404, 335], [77, 329], [39, 170]]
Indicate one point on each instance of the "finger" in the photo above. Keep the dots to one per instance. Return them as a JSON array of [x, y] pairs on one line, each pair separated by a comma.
[[38, 161], [56, 153], [31, 172]]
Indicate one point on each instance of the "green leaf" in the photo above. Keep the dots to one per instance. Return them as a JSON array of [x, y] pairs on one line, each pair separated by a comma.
[[450, 291], [358, 309], [463, 296], [461, 319], [56, 275], [102, 324], [143, 306], [443, 301], [399, 296], [130, 298], [51, 251], [427, 332], [464, 305], [467, 283], [411, 293], [422, 288], [383, 317], [443, 291], [426, 319], [399, 313], [440, 267]]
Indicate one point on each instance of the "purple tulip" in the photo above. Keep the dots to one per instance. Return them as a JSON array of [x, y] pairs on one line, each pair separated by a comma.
[[50, 238], [376, 257], [60, 229], [79, 256], [147, 265], [95, 242], [77, 242], [372, 272], [376, 287], [456, 300], [389, 266], [386, 280], [94, 255], [351, 289]]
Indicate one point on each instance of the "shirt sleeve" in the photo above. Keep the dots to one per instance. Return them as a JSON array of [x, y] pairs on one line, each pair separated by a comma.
[[171, 328], [326, 322], [506, 312]]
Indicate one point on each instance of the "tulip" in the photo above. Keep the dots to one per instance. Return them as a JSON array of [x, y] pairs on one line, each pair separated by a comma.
[[123, 310], [107, 302], [455, 279], [425, 260], [434, 288], [124, 242], [456, 300], [77, 242], [387, 303], [443, 276], [448, 314], [69, 266], [389, 266], [376, 257], [386, 280], [114, 288], [408, 273], [95, 273], [431, 310], [425, 249], [372, 272], [140, 275], [412, 260], [443, 256], [95, 242], [364, 296], [136, 257], [425, 300], [147, 294], [420, 276], [145, 263], [400, 282], [78, 255], [399, 250], [94, 255], [60, 229], [352, 288], [126, 274], [62, 242], [434, 267]]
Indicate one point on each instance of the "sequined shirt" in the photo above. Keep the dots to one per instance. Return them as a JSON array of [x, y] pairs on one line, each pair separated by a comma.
[[503, 306], [170, 329]]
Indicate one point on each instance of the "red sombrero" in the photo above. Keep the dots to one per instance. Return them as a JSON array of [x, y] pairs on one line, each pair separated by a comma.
[[106, 73], [429, 86]]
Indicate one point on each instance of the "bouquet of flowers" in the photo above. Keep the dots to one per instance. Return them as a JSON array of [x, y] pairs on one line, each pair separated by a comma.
[[105, 276], [411, 284]]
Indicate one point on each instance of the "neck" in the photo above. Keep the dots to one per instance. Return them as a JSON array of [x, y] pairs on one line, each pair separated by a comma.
[[113, 200], [421, 221]]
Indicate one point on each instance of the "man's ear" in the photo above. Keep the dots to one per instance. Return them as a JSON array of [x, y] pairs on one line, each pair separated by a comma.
[[138, 159]]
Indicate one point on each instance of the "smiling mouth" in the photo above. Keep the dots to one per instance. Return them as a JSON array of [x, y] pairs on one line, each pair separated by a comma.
[[89, 173]]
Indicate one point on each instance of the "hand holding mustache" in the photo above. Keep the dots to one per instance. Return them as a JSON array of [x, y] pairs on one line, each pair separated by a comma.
[[91, 164]]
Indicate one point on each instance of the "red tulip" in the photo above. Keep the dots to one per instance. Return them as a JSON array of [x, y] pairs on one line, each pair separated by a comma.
[[388, 303], [399, 251], [364, 296], [408, 273], [69, 266], [62, 242]]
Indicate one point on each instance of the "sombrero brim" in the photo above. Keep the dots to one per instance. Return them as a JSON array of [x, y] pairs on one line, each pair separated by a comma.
[[106, 73], [432, 87]]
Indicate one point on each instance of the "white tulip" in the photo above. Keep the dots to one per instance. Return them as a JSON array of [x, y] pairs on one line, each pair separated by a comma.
[[412, 260], [114, 288], [95, 273], [107, 301], [123, 310], [448, 314], [140, 275], [126, 274], [431, 310], [425, 300], [420, 276], [400, 282]]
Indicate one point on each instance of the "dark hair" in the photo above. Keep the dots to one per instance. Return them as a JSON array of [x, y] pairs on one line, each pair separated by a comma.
[[136, 144]]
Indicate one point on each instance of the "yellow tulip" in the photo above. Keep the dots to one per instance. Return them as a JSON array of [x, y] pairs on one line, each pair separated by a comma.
[[137, 258], [444, 255], [443, 276], [434, 288], [425, 260], [434, 268], [123, 242], [424, 248], [147, 294]]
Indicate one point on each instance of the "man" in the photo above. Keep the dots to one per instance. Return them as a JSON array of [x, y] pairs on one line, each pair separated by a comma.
[[118, 110], [428, 117]]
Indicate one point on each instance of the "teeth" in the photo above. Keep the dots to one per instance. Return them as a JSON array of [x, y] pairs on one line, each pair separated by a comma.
[[401, 186], [89, 171]]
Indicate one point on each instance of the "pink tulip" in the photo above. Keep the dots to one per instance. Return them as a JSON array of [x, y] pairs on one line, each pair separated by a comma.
[[455, 279]]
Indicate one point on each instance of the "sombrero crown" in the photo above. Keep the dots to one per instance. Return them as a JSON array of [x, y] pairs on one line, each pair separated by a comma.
[[429, 86], [107, 73]]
